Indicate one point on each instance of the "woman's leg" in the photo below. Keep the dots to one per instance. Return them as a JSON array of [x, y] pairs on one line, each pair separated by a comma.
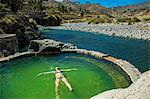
[[67, 83], [57, 81]]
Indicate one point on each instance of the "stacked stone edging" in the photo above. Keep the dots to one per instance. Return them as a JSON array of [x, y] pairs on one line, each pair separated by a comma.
[[129, 69], [3, 59]]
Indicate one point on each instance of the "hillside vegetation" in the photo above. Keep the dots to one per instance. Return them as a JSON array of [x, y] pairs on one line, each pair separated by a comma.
[[21, 17], [141, 11], [94, 13]]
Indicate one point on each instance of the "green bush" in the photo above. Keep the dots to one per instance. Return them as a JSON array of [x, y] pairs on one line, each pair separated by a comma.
[[99, 20], [52, 20], [128, 20], [4, 8], [146, 20], [135, 19], [123, 19]]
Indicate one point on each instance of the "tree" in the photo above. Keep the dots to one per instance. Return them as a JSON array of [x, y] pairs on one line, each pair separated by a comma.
[[4, 8], [62, 8], [38, 5], [15, 5], [23, 5], [70, 9], [135, 19], [81, 13]]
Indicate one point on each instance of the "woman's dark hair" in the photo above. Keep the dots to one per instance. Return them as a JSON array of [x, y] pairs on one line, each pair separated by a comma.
[[58, 68]]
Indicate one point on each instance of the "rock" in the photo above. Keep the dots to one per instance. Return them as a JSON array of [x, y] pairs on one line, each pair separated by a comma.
[[48, 45], [8, 44], [6, 52], [137, 90], [46, 20], [23, 26]]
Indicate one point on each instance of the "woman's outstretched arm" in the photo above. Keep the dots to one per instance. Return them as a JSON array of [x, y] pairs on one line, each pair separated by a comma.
[[66, 70], [51, 72]]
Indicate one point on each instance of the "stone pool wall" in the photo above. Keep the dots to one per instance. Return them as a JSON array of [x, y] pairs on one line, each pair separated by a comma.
[[8, 44], [130, 69], [16, 55], [137, 90]]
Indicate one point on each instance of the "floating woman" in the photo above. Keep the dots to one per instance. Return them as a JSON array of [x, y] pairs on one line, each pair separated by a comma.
[[59, 77]]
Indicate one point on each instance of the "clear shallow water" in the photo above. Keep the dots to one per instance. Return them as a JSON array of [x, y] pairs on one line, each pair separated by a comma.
[[135, 51], [18, 78]]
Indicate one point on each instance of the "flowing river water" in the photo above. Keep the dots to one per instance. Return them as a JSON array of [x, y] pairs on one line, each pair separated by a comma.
[[135, 51]]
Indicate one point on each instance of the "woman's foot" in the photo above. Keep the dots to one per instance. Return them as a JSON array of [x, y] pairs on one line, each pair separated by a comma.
[[71, 90]]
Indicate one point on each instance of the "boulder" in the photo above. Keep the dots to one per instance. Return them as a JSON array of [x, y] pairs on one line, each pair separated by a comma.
[[49, 46], [46, 20]]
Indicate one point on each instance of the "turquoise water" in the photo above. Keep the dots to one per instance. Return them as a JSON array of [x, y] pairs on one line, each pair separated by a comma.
[[135, 51], [19, 80]]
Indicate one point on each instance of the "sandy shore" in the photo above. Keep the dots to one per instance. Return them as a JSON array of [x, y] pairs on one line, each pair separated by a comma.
[[129, 31]]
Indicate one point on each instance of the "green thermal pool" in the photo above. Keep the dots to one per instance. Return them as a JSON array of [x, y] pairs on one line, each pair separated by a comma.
[[19, 80]]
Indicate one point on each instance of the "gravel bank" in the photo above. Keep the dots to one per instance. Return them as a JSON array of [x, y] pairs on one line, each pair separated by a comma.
[[129, 31]]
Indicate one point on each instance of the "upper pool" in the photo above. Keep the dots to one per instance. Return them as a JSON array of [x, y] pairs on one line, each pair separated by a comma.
[[135, 51]]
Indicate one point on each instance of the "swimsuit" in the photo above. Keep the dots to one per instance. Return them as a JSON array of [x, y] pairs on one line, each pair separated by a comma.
[[60, 78], [57, 72]]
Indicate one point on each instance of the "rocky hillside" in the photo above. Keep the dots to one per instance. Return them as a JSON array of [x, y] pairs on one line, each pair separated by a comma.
[[22, 19], [74, 10], [138, 9], [74, 7]]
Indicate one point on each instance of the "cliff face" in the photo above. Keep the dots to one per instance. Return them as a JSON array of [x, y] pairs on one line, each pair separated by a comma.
[[8, 44], [138, 90], [137, 9], [24, 27]]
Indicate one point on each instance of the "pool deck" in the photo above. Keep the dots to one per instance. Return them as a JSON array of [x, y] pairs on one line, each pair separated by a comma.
[[130, 69]]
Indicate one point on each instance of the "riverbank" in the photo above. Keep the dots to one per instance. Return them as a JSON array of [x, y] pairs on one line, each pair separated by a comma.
[[119, 30]]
